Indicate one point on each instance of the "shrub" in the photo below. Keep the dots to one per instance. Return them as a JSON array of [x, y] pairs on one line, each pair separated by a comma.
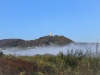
[[1, 53]]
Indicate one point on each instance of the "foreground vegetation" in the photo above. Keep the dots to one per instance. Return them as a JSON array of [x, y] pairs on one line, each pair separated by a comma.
[[72, 63]]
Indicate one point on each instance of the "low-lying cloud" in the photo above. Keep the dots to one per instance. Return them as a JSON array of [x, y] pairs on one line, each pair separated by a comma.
[[51, 49]]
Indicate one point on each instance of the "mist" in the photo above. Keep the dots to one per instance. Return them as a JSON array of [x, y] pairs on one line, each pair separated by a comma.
[[54, 50]]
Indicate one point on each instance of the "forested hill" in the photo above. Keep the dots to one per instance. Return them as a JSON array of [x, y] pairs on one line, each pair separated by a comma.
[[46, 40]]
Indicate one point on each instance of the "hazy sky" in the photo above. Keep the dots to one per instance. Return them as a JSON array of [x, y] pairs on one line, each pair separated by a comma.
[[78, 20]]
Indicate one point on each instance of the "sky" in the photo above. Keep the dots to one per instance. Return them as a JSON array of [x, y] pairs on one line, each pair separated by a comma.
[[78, 20]]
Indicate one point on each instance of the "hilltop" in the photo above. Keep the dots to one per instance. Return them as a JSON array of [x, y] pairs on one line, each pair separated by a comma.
[[45, 40]]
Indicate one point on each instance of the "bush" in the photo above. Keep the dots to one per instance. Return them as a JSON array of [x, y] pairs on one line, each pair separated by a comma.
[[1, 53]]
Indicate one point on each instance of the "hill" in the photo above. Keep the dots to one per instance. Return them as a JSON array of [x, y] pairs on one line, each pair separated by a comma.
[[45, 40]]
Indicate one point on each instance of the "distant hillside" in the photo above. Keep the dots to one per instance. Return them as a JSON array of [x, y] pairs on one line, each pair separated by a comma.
[[46, 40]]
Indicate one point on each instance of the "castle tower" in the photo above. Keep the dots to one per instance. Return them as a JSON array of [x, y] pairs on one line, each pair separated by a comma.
[[50, 33]]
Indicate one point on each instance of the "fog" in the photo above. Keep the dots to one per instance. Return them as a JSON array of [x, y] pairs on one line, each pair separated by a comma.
[[91, 47]]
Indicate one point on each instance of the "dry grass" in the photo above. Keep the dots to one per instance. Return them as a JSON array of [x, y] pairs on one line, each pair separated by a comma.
[[73, 63]]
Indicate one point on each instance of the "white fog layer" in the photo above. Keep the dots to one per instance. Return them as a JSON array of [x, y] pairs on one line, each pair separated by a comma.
[[52, 49]]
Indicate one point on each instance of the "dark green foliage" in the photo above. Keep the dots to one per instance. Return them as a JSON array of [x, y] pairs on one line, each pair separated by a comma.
[[46, 40], [1, 54], [10, 42]]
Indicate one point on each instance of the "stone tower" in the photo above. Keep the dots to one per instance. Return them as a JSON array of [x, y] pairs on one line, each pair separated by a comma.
[[50, 33]]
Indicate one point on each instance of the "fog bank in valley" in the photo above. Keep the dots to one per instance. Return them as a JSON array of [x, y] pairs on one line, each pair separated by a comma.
[[91, 47]]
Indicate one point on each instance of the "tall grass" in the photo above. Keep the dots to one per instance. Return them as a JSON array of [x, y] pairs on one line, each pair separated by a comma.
[[72, 63]]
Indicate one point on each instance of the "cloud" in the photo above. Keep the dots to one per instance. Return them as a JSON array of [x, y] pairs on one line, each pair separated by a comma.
[[51, 49]]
